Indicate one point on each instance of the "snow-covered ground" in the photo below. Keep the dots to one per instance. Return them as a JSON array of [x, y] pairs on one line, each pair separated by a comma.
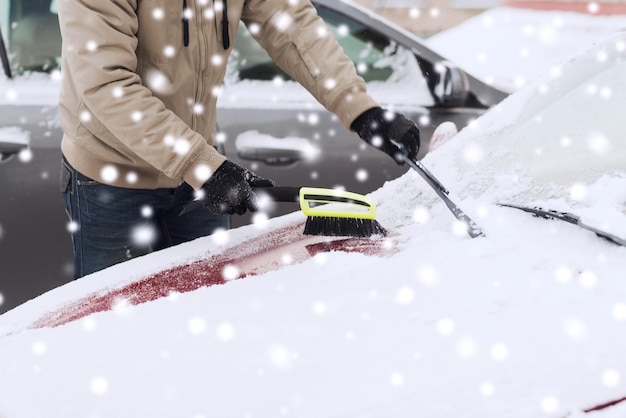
[[529, 321]]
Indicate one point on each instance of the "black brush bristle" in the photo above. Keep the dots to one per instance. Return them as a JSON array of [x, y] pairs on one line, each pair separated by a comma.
[[343, 227]]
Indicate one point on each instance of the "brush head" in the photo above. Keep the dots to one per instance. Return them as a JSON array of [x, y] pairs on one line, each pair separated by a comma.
[[338, 213], [343, 227]]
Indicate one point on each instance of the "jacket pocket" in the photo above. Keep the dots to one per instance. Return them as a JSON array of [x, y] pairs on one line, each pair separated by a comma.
[[305, 55], [91, 126]]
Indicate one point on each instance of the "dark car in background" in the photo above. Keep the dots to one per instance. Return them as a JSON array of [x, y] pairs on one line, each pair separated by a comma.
[[265, 122]]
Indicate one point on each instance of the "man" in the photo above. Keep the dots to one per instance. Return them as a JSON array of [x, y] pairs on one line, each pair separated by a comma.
[[137, 108]]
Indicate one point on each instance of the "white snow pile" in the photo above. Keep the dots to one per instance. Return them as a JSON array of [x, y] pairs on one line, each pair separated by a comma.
[[528, 321], [511, 47]]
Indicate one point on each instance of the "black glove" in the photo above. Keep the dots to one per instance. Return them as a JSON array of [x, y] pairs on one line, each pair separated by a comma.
[[229, 191], [392, 133]]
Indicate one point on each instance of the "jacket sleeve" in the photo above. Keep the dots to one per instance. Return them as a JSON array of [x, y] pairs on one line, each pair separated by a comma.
[[99, 41], [298, 40]]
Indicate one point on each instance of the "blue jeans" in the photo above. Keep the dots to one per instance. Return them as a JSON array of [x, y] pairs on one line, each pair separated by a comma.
[[110, 224]]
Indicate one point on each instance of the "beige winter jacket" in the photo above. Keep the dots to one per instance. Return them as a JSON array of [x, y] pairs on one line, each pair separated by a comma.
[[137, 106]]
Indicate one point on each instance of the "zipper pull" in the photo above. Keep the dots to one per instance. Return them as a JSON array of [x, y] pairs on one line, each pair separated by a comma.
[[185, 24], [225, 35]]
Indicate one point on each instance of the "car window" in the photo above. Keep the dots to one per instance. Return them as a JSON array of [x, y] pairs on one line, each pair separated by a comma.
[[34, 43], [34, 37], [374, 55]]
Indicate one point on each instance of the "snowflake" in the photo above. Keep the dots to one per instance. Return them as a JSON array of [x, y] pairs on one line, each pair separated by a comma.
[[619, 311], [182, 146], [396, 379], [89, 324], [85, 116], [280, 355], [473, 153], [144, 235], [421, 215], [487, 389], [320, 308], [220, 236], [428, 275], [588, 279], [283, 21], [593, 7], [132, 177], [136, 116], [39, 348], [405, 295], [549, 404], [217, 60], [466, 347], [598, 144], [158, 13], [459, 228], [230, 272], [109, 173], [196, 325], [99, 385], [575, 329], [445, 326], [91, 46], [225, 331], [260, 220], [610, 378], [563, 274], [73, 227], [11, 95], [117, 92], [499, 352], [287, 259], [578, 192], [330, 83]]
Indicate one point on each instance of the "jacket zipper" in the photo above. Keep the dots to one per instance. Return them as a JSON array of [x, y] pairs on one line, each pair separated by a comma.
[[225, 34], [203, 64]]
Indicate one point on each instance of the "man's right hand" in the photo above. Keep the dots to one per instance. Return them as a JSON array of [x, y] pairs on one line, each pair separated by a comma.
[[394, 134], [229, 190]]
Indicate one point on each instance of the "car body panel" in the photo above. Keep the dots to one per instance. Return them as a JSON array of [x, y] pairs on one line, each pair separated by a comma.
[[255, 256]]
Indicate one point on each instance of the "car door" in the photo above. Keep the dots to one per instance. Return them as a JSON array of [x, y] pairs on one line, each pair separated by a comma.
[[35, 247]]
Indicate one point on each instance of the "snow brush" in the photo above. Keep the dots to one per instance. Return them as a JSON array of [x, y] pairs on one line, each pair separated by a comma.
[[330, 212], [472, 227]]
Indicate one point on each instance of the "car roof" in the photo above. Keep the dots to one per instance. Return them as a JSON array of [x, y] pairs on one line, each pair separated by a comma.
[[487, 94]]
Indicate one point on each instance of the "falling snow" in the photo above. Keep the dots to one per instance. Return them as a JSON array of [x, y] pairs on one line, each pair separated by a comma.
[[522, 323]]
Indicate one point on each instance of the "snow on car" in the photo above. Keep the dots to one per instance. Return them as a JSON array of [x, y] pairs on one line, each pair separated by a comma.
[[523, 322]]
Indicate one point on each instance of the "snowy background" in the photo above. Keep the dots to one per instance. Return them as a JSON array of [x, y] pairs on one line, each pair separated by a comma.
[[529, 321]]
